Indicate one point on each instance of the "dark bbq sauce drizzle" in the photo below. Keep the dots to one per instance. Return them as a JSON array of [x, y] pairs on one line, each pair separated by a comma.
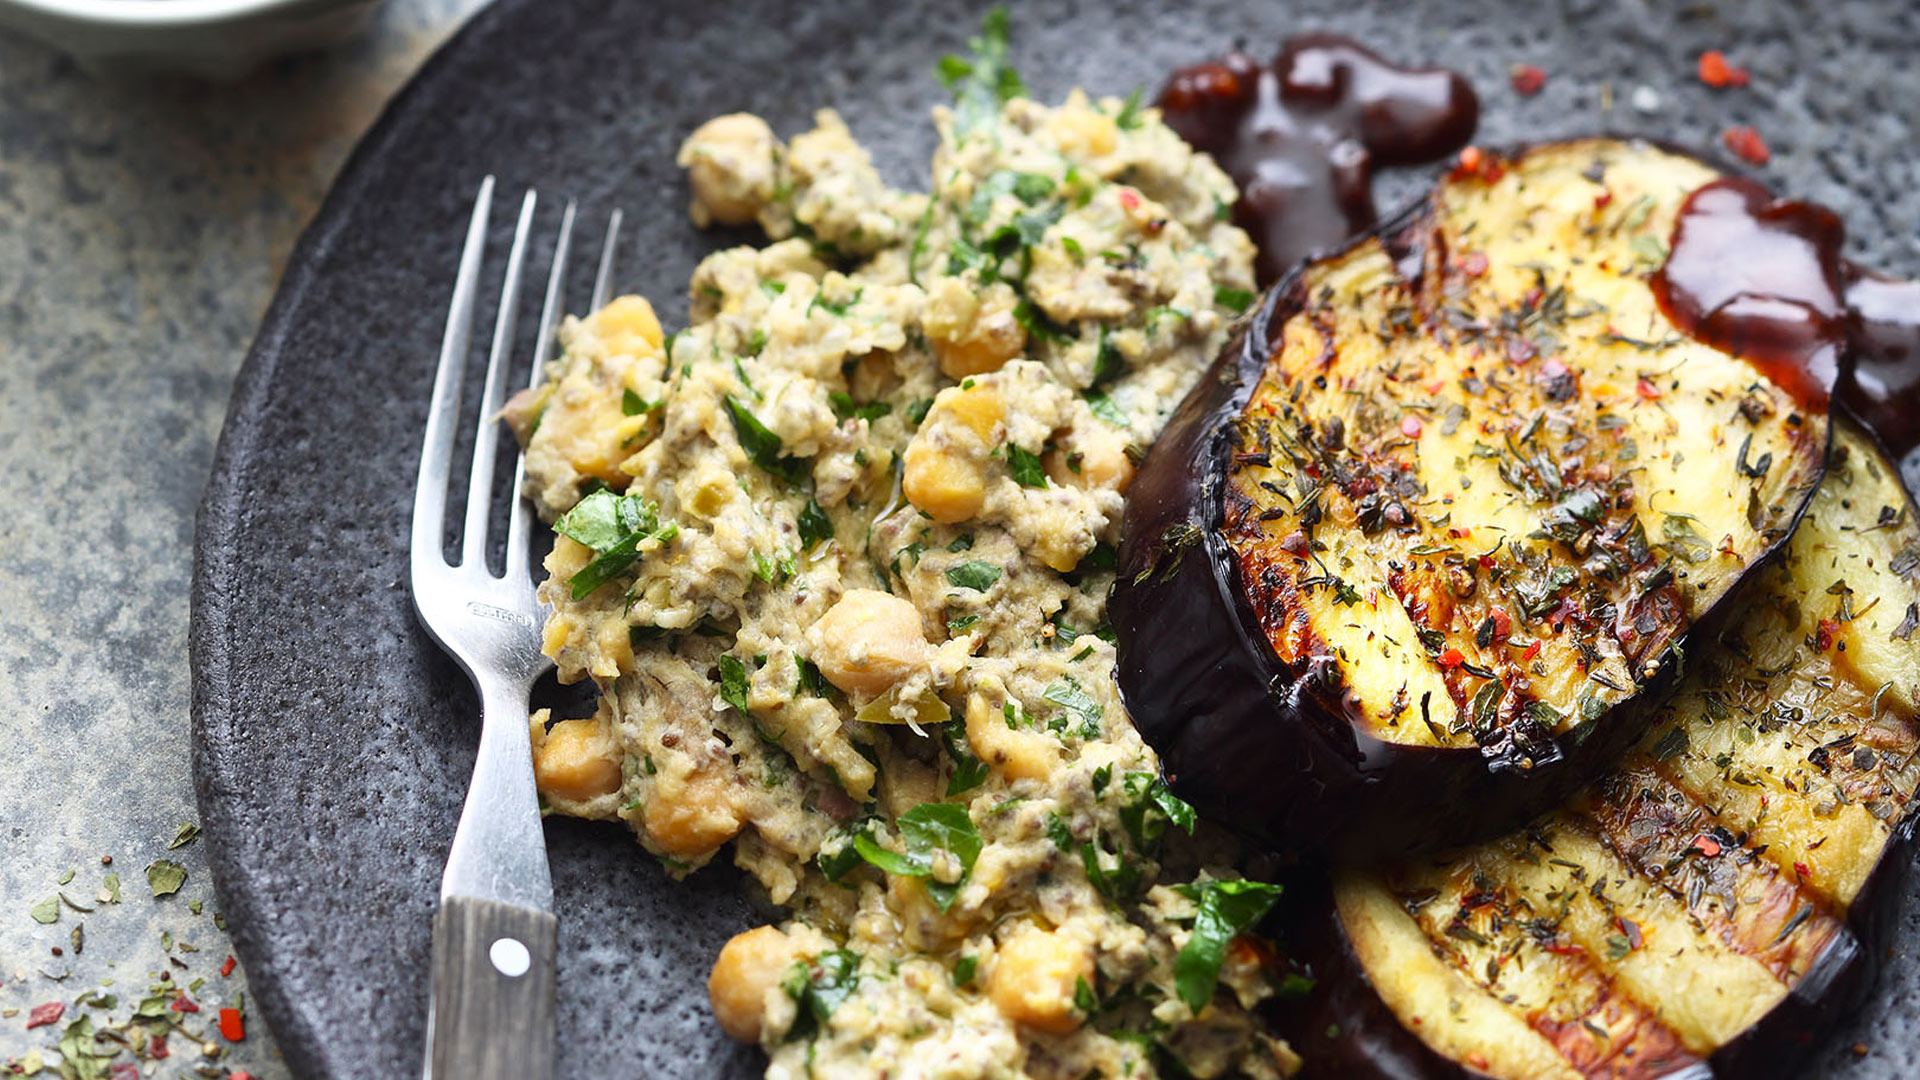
[[1300, 136], [1883, 325], [1760, 279], [1763, 279]]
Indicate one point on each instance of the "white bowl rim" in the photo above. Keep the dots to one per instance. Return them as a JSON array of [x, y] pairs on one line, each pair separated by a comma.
[[150, 13]]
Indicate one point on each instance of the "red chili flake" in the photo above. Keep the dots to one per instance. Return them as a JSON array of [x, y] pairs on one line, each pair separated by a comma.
[[1632, 930], [226, 968], [1560, 946], [1532, 650], [1706, 845], [1452, 658], [1460, 532], [181, 1004], [1527, 79], [1473, 263], [239, 1075], [1800, 869], [1603, 200], [1129, 200], [1479, 1061], [1476, 162], [1520, 350], [1747, 144], [42, 1015], [1645, 388], [157, 1048], [1826, 635], [1294, 544], [1716, 72], [125, 1070], [1502, 625], [231, 1026], [1410, 426], [1486, 562], [1436, 386]]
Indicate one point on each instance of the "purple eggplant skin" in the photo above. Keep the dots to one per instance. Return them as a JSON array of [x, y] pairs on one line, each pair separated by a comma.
[[1277, 755]]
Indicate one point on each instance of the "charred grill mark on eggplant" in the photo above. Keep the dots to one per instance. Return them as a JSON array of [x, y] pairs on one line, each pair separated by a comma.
[[1455, 529], [1745, 850]]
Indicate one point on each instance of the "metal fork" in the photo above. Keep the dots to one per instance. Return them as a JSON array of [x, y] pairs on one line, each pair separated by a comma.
[[491, 1011]]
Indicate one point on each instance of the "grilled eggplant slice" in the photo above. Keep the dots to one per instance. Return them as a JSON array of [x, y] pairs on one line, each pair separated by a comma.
[[1718, 896], [1406, 567]]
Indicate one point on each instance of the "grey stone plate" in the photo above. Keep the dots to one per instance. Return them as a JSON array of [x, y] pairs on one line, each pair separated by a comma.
[[333, 740]]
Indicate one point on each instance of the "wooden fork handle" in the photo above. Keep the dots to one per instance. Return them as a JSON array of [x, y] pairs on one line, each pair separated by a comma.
[[492, 1016]]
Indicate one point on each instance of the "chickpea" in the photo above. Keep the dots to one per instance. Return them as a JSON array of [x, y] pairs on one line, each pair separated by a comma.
[[948, 487], [868, 641], [690, 817], [731, 166], [979, 406], [1034, 976], [941, 477], [1017, 754], [1092, 459], [578, 760], [1083, 133], [972, 336], [628, 326], [750, 966]]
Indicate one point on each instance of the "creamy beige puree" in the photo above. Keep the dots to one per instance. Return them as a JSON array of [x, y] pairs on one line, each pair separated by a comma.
[[837, 554]]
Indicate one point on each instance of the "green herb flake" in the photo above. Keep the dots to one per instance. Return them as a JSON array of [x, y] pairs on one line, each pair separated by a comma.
[[1671, 745], [46, 911], [1234, 300], [632, 404], [974, 574], [763, 447], [969, 771], [923, 830], [820, 986], [1103, 407], [733, 684], [1071, 696], [964, 968], [165, 877], [1025, 468], [188, 831], [815, 525], [1224, 910], [986, 80], [1084, 999], [613, 526]]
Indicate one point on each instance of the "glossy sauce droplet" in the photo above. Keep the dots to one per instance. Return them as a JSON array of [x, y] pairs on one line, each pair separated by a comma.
[[1300, 137], [1884, 327], [1760, 279]]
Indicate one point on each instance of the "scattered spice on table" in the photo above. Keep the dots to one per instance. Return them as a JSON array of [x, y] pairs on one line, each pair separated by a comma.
[[1527, 79], [1717, 72], [1746, 143]]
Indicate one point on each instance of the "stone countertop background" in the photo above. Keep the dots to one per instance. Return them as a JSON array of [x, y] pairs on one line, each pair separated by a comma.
[[143, 226]]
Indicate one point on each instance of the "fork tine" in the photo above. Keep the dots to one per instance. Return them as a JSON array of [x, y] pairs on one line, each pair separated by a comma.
[[436, 453], [486, 434], [603, 281], [520, 523]]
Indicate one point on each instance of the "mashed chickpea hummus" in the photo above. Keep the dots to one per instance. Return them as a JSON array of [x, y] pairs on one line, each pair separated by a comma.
[[837, 556]]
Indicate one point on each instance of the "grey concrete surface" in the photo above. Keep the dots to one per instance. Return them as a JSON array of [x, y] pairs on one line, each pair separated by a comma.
[[143, 225]]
